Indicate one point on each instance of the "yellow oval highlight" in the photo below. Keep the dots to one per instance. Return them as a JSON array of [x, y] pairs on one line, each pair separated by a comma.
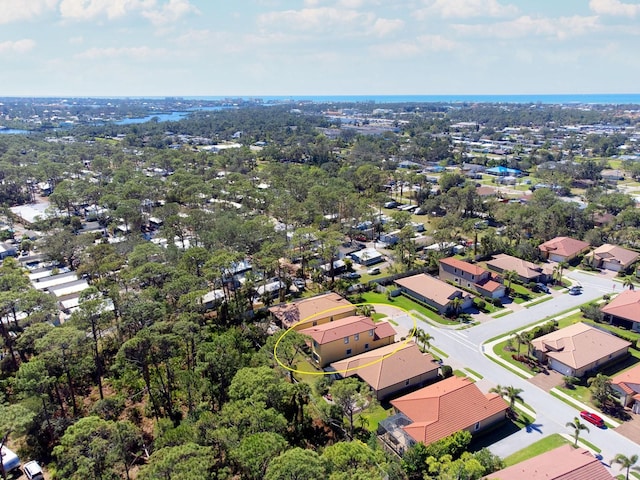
[[412, 334]]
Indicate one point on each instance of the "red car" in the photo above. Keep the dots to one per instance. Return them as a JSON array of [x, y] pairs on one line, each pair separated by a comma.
[[592, 418]]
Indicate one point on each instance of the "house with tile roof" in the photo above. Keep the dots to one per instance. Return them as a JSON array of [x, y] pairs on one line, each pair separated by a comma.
[[624, 310], [472, 276], [563, 249], [578, 349], [612, 257], [562, 463], [346, 338], [390, 369], [627, 384], [439, 410], [434, 292], [527, 271], [312, 311]]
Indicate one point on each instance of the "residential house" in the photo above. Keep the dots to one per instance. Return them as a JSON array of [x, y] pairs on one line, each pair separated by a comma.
[[312, 311], [526, 271], [390, 369], [7, 250], [347, 337], [367, 256], [627, 385], [562, 463], [624, 309], [439, 410], [434, 292], [472, 276], [612, 257], [578, 349], [563, 249]]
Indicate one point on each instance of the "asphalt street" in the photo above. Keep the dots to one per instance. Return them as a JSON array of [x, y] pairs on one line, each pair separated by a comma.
[[464, 348]]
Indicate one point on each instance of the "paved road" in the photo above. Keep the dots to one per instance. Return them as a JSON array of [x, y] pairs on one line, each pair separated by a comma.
[[464, 348]]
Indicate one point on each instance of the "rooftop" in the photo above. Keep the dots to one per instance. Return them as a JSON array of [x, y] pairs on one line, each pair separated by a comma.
[[471, 268], [346, 327], [564, 246], [311, 308], [626, 305], [432, 288]]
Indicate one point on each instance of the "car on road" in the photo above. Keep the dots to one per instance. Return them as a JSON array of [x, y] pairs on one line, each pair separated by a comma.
[[592, 418], [575, 290], [374, 271], [33, 471]]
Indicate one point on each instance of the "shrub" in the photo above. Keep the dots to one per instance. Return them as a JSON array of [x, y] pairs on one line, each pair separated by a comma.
[[496, 302], [446, 370], [592, 312], [570, 381], [481, 304]]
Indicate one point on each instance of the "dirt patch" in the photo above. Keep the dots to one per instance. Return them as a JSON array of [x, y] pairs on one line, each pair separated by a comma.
[[547, 380]]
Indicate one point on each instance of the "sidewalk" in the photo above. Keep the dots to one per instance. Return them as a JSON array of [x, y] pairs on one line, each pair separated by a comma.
[[582, 406]]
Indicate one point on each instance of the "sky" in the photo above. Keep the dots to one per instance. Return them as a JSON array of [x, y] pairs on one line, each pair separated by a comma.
[[318, 47]]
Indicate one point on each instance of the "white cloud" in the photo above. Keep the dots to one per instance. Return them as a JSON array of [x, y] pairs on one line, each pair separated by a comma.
[[614, 7], [76, 40], [422, 44], [170, 12], [15, 10], [384, 26], [138, 53], [467, 9], [157, 13], [526, 26], [313, 19], [17, 46]]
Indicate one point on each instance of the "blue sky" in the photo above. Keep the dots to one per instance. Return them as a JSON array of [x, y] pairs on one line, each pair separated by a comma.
[[318, 47]]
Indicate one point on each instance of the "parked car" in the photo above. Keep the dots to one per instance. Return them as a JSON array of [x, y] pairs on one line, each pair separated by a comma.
[[352, 275], [33, 471], [575, 290], [543, 288], [374, 271], [592, 418]]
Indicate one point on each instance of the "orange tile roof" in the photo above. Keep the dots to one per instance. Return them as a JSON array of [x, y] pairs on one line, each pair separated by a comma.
[[490, 285], [346, 327], [565, 246], [388, 365], [629, 377], [521, 267], [471, 268], [429, 287], [446, 407], [311, 308], [626, 305], [562, 463], [579, 345]]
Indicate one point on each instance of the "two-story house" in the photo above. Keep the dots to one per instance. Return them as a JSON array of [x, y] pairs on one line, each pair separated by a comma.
[[347, 337], [471, 276]]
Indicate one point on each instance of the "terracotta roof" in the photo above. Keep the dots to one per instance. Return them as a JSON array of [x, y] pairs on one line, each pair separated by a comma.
[[626, 305], [309, 308], [562, 463], [565, 246], [446, 407], [523, 268], [489, 284], [485, 191], [346, 327], [432, 288], [629, 381], [470, 268], [579, 345], [614, 253], [388, 365]]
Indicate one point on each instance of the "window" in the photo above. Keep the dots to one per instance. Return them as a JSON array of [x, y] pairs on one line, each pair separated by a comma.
[[346, 339], [348, 351], [315, 344], [477, 426], [473, 277], [356, 337], [406, 382], [371, 332], [315, 323], [468, 285], [366, 346], [455, 270]]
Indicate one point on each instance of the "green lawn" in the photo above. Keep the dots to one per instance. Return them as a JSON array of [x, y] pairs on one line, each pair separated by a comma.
[[503, 314], [373, 416], [541, 446], [499, 350], [474, 373], [407, 304], [540, 300]]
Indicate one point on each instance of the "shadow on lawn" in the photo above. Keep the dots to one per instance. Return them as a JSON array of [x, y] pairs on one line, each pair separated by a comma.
[[501, 432]]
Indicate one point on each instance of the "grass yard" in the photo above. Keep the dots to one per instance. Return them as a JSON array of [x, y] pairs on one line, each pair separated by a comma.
[[474, 373], [540, 300], [503, 314], [406, 304], [373, 416], [506, 355], [541, 446]]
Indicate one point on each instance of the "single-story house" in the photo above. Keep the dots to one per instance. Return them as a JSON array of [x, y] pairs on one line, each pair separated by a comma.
[[578, 349], [563, 249], [472, 276], [390, 369], [347, 337], [626, 308], [7, 250], [439, 410], [367, 256], [527, 271], [612, 257], [501, 171], [562, 463], [434, 292], [627, 385], [312, 311]]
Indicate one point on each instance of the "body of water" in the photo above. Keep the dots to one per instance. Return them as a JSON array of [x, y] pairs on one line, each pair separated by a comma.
[[12, 131], [161, 117], [605, 98]]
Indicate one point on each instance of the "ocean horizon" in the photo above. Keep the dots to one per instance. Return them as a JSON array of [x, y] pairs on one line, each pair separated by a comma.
[[584, 99]]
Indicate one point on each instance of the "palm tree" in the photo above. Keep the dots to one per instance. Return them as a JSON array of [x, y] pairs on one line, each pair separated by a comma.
[[577, 426], [366, 310], [626, 462], [558, 270], [628, 282], [512, 393], [509, 277], [456, 305], [423, 337], [523, 338]]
